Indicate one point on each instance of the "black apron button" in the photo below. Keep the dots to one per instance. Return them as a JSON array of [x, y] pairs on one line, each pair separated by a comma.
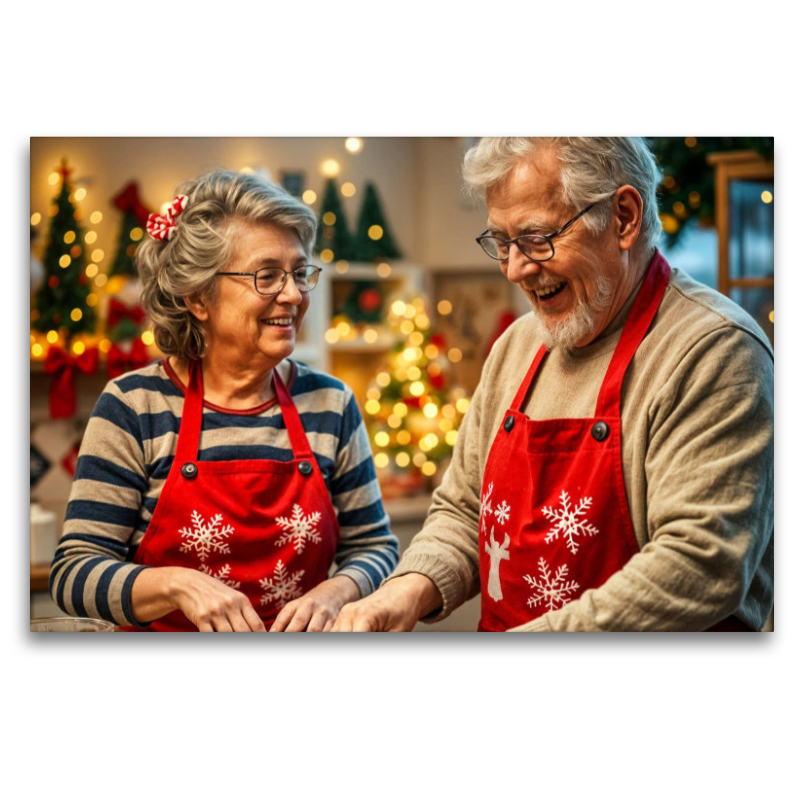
[[509, 423], [600, 431], [189, 471], [304, 468]]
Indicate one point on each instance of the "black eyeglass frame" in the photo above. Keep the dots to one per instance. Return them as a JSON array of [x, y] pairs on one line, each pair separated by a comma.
[[283, 281], [548, 237]]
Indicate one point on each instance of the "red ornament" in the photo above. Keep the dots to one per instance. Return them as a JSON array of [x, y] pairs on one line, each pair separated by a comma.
[[52, 282], [57, 318], [438, 340], [437, 381], [128, 200], [370, 300], [82, 280]]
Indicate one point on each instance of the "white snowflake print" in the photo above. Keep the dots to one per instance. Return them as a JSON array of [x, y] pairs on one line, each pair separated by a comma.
[[299, 528], [281, 588], [501, 512], [553, 589], [486, 505], [221, 575], [205, 538], [566, 521]]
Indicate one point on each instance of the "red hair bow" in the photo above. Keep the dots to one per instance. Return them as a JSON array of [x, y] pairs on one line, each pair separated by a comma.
[[163, 227]]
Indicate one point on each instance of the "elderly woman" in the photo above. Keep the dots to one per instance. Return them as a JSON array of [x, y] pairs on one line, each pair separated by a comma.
[[226, 487]]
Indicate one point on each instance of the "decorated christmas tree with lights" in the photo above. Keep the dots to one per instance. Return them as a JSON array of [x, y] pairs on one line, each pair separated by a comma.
[[334, 241], [134, 219], [412, 411], [61, 301], [373, 239]]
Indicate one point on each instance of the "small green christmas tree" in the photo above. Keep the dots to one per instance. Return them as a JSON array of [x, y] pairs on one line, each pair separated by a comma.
[[333, 233], [134, 219], [373, 239], [61, 300]]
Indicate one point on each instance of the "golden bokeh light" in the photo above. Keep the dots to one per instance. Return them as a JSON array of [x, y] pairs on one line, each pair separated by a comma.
[[329, 218], [330, 168], [36, 218], [375, 232], [309, 196], [78, 348], [69, 237], [96, 217], [428, 468], [384, 270], [64, 261], [403, 437], [98, 255], [455, 355], [353, 144], [370, 335], [326, 256], [372, 406], [381, 460], [148, 338], [444, 307], [766, 197], [348, 189], [91, 237], [402, 459], [382, 438]]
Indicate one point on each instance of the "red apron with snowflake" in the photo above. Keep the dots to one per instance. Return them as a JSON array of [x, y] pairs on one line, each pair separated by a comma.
[[554, 518], [266, 528]]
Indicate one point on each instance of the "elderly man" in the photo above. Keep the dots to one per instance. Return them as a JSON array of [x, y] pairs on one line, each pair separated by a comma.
[[615, 469]]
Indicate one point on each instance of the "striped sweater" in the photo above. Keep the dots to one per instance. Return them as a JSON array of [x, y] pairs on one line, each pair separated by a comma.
[[127, 452]]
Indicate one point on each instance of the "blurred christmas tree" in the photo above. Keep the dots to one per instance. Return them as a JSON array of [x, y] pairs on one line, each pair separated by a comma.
[[334, 240], [61, 302], [412, 411], [687, 189], [134, 219], [373, 239]]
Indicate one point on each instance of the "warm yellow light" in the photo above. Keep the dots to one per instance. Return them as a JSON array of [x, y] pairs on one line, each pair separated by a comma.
[[414, 373], [98, 255], [373, 394], [64, 261], [416, 339], [398, 307], [348, 189], [403, 437], [69, 237], [383, 379], [91, 270], [76, 314], [690, 141], [446, 425], [101, 280], [431, 351], [91, 237], [400, 409], [410, 354], [766, 196], [353, 144], [772, 317], [424, 445], [381, 460], [669, 223], [342, 266], [247, 171], [444, 307], [37, 350], [330, 168], [679, 209], [694, 199], [450, 437], [97, 216], [343, 328], [309, 196], [406, 326], [148, 338], [329, 218], [384, 270], [419, 459], [402, 459], [326, 256], [448, 411], [136, 234], [92, 300], [382, 438], [52, 337], [417, 388], [454, 354], [52, 178], [394, 421], [430, 410], [80, 194], [370, 336], [422, 321], [36, 218], [372, 407], [331, 336], [669, 182], [462, 405], [375, 232], [428, 468]]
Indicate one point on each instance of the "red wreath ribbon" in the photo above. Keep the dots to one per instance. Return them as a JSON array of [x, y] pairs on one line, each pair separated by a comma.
[[118, 311], [120, 361], [163, 227], [63, 367]]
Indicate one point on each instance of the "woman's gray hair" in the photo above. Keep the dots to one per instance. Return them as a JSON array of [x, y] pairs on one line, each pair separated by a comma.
[[203, 244], [593, 169]]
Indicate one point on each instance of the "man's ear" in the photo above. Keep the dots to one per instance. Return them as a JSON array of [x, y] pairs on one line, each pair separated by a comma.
[[197, 306], [627, 215]]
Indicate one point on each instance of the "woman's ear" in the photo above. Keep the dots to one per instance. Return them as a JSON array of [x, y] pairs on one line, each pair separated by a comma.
[[628, 212], [197, 306]]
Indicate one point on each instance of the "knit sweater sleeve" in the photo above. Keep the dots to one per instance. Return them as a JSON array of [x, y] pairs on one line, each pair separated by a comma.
[[709, 471], [90, 575]]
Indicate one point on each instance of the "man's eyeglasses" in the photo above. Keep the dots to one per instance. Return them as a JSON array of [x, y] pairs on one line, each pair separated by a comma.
[[537, 247], [271, 280]]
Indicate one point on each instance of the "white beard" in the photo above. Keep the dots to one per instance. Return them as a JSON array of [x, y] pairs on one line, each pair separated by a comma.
[[579, 324]]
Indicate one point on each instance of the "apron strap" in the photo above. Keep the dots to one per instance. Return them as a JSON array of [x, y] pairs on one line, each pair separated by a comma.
[[191, 416], [291, 419], [525, 386], [636, 326]]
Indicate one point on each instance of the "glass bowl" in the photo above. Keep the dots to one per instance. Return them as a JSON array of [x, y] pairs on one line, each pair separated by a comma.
[[70, 625]]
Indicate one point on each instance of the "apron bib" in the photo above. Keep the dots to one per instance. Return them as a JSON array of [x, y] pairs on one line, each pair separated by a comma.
[[265, 528]]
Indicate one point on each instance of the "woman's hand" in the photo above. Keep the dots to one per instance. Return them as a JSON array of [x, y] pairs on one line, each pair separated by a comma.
[[208, 603], [317, 610]]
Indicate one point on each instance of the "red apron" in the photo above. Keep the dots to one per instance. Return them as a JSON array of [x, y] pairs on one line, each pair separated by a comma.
[[265, 528]]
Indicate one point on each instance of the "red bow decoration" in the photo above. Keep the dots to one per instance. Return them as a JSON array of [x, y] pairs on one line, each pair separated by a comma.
[[128, 200], [119, 311], [163, 227], [62, 366], [119, 361]]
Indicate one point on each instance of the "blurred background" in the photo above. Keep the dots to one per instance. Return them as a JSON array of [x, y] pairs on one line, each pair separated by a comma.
[[408, 305]]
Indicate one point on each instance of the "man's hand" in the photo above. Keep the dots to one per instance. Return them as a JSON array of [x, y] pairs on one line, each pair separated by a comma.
[[396, 606], [316, 610]]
